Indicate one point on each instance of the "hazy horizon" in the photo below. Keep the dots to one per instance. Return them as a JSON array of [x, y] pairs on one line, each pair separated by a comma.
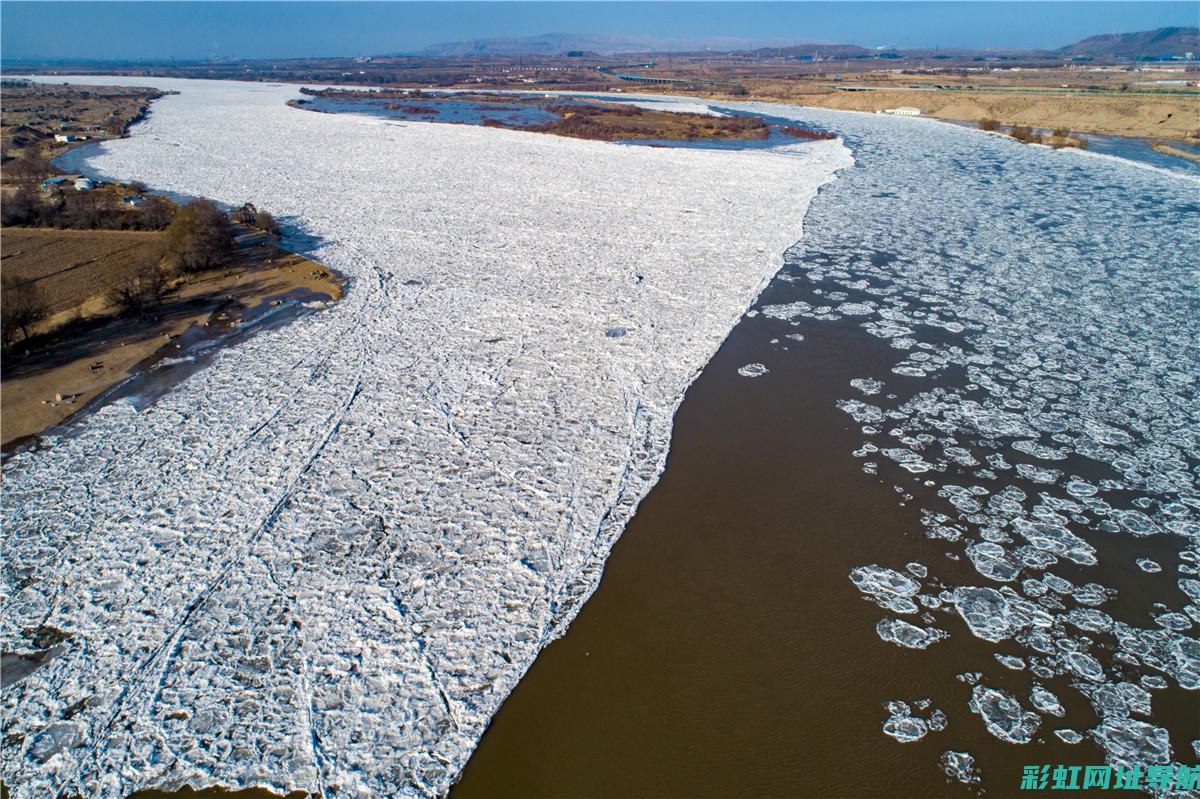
[[253, 30]]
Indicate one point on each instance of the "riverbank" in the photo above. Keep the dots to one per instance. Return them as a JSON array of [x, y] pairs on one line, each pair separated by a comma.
[[79, 353], [1167, 116]]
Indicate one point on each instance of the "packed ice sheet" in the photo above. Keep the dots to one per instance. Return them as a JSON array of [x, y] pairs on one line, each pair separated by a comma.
[[322, 562], [1043, 311]]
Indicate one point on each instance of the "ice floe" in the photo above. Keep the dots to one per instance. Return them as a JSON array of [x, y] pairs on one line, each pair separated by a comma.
[[1043, 387], [1003, 715], [960, 766]]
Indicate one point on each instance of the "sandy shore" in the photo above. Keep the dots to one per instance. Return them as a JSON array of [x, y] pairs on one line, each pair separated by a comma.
[[71, 366]]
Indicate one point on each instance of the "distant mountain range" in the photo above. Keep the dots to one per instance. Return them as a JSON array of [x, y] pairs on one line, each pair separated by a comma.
[[1144, 44], [1161, 42]]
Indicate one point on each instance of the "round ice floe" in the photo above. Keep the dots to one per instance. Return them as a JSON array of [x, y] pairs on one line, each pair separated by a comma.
[[1056, 539], [786, 312], [1148, 566], [960, 766], [1129, 741], [907, 635], [1068, 736], [1084, 665], [1173, 621], [1010, 662], [1135, 522], [856, 309], [752, 370], [887, 588], [867, 385], [986, 612], [1003, 715], [1046, 702], [905, 727], [1090, 619], [992, 561]]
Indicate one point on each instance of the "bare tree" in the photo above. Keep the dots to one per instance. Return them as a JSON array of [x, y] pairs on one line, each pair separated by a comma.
[[21, 306], [143, 291], [31, 166], [265, 222], [198, 237]]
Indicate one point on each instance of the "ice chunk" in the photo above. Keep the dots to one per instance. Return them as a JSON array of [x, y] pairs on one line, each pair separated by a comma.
[[1068, 736], [909, 636], [960, 766], [1003, 715], [986, 612], [887, 588], [752, 370], [1046, 702]]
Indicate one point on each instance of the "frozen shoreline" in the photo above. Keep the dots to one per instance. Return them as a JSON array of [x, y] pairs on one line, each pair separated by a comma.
[[326, 559]]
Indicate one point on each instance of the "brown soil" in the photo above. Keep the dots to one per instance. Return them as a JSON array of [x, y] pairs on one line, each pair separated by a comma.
[[69, 267], [610, 122], [84, 349]]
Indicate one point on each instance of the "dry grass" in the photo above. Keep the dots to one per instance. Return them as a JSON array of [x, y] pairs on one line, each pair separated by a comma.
[[1161, 116]]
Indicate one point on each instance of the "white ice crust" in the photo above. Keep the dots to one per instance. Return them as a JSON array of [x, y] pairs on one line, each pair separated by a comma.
[[326, 559]]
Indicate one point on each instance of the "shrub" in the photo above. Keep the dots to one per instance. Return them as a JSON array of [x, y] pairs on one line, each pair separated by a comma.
[[265, 222], [987, 123], [1026, 134]]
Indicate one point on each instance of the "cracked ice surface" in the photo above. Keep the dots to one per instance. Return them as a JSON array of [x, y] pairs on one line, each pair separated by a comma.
[[327, 558]]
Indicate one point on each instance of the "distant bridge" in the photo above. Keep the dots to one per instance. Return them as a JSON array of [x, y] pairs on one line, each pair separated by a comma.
[[653, 79]]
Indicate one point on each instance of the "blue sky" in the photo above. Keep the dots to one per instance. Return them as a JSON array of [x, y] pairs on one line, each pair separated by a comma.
[[187, 30]]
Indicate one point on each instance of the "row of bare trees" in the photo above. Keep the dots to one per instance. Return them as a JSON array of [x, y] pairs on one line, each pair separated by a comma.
[[200, 237]]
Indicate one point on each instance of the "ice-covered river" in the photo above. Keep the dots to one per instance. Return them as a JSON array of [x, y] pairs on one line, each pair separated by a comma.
[[325, 560]]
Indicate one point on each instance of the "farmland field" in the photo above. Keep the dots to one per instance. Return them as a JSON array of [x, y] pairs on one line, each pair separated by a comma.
[[69, 267]]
